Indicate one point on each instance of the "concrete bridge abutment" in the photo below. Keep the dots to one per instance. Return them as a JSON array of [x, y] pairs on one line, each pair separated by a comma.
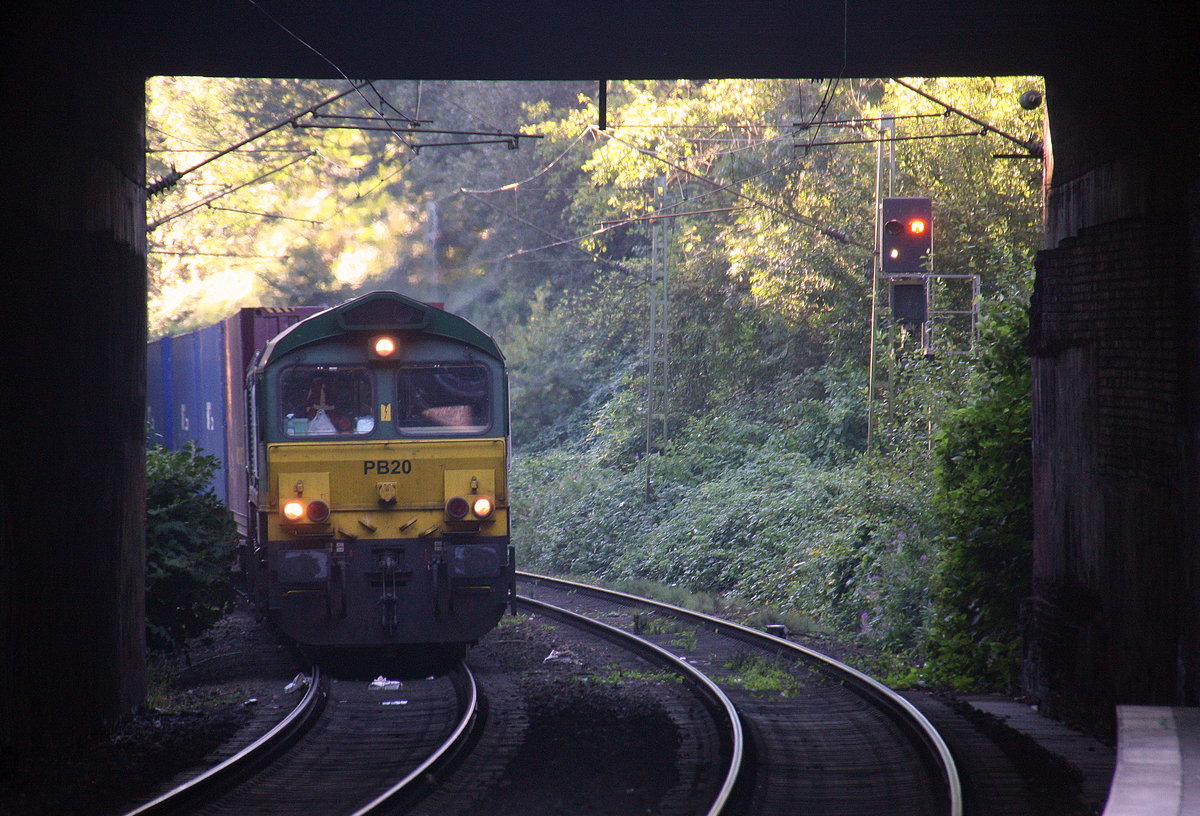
[[1113, 617], [72, 409]]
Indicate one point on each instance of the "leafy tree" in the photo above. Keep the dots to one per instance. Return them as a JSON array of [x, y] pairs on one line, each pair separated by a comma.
[[243, 218], [190, 538], [769, 316], [765, 192]]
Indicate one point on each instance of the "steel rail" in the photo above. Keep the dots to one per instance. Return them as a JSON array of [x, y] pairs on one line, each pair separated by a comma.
[[252, 756], [863, 683], [716, 697], [455, 742]]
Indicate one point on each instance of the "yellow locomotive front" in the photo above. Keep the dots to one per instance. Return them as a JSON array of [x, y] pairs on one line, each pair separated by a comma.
[[381, 477]]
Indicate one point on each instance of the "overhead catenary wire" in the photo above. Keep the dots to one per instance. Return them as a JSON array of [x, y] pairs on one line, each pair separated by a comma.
[[859, 121], [607, 226], [193, 252], [1031, 146], [889, 139], [715, 185], [620, 222], [153, 225], [514, 185], [383, 101], [224, 190], [557, 239], [338, 122], [332, 65], [278, 216], [172, 178], [837, 235]]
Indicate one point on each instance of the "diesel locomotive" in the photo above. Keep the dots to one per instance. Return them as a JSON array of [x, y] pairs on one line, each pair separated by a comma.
[[377, 448]]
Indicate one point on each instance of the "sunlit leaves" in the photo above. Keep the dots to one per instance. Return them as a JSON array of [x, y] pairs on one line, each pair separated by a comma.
[[762, 194], [227, 230]]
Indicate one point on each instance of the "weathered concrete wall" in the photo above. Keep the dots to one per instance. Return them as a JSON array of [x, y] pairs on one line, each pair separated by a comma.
[[1114, 358], [72, 404]]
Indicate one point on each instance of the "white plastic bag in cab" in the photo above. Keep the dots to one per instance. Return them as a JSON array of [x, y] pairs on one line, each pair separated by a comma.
[[321, 424]]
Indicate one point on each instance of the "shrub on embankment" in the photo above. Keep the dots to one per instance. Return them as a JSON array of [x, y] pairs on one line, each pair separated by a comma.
[[735, 509], [190, 538]]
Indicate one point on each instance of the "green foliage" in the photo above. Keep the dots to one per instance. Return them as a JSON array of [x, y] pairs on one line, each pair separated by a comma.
[[617, 676], [190, 536], [756, 673], [312, 215], [983, 469], [764, 486], [598, 329], [737, 508]]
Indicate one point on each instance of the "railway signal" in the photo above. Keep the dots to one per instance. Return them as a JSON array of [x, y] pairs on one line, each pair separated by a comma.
[[907, 236], [910, 305]]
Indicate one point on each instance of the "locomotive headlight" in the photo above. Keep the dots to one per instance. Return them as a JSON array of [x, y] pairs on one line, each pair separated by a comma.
[[315, 510], [384, 346], [294, 510], [482, 507]]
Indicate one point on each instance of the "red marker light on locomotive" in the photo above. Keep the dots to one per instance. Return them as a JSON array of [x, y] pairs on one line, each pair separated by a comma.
[[457, 508], [317, 510]]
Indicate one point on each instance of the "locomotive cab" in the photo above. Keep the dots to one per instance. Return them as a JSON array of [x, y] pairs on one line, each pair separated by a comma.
[[379, 477]]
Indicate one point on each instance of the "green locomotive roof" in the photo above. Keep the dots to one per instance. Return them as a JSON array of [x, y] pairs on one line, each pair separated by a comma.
[[378, 311]]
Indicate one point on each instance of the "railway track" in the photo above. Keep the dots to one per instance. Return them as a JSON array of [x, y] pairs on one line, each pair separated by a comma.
[[822, 737], [758, 725], [611, 725], [728, 726], [346, 748]]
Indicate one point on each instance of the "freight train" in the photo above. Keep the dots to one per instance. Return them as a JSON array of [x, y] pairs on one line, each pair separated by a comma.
[[365, 454]]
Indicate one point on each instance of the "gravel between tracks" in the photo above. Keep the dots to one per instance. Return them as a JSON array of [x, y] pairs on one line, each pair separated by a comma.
[[202, 712], [568, 734]]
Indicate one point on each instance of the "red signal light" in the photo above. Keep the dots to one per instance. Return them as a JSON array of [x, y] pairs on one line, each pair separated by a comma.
[[906, 236]]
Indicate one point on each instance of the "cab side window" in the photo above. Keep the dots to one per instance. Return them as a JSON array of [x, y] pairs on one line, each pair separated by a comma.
[[326, 401], [442, 398]]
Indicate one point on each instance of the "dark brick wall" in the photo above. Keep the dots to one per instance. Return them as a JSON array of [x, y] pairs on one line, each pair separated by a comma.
[[1113, 618], [72, 406], [1110, 486]]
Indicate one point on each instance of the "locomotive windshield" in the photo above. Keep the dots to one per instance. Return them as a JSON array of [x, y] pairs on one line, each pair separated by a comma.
[[444, 398], [326, 401]]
